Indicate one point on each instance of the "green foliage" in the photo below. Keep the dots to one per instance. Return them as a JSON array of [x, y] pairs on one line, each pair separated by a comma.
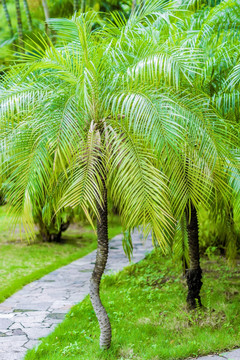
[[143, 77], [219, 234], [62, 134]]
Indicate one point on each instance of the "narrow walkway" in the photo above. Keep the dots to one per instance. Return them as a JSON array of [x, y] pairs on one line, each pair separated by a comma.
[[34, 311]]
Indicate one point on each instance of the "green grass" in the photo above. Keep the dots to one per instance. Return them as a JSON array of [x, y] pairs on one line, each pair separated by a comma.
[[147, 309], [22, 262]]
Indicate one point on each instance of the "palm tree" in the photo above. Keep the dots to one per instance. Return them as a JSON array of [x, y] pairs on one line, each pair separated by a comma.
[[170, 65], [221, 64], [70, 113], [134, 4], [50, 232], [19, 24], [46, 14], [110, 116], [5, 9], [28, 14], [202, 28], [83, 5], [76, 5], [194, 273]]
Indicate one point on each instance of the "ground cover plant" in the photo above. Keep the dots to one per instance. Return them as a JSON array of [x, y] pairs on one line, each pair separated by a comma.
[[23, 261], [147, 308]]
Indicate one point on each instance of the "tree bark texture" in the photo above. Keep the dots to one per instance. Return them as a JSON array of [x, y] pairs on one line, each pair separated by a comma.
[[194, 273], [5, 9], [101, 261], [2, 199], [19, 24], [29, 18]]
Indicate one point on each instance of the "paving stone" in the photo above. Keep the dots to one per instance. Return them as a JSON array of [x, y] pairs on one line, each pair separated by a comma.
[[41, 324], [33, 306], [16, 325], [210, 357], [35, 333], [232, 355], [37, 316], [31, 344], [60, 305], [18, 332], [6, 316], [13, 339], [56, 316], [5, 323], [19, 355], [13, 356]]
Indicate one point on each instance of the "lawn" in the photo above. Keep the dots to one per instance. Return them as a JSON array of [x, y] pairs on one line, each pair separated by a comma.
[[22, 262], [147, 308]]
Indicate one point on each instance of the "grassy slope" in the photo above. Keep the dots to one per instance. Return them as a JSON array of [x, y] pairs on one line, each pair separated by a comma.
[[22, 262], [146, 305]]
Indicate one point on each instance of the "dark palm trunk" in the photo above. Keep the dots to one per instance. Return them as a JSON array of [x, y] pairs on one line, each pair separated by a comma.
[[5, 9], [2, 198], [184, 260], [184, 266], [19, 24], [194, 273], [29, 18], [101, 261], [76, 5]]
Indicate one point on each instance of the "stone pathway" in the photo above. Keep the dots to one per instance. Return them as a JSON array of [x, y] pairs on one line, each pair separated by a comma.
[[232, 355], [34, 311]]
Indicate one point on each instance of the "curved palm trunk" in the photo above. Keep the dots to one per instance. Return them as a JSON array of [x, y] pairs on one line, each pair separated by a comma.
[[101, 261], [29, 18], [194, 273], [5, 9], [19, 24]]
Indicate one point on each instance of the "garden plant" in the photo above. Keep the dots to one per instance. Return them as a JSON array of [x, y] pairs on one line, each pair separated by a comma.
[[140, 111]]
